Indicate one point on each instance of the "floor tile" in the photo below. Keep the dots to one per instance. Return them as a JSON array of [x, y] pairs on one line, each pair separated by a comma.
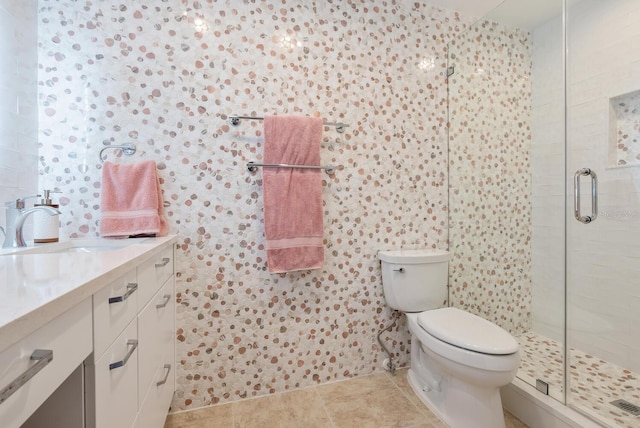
[[376, 401], [256, 412], [593, 382], [302, 408], [369, 401], [513, 422], [206, 417]]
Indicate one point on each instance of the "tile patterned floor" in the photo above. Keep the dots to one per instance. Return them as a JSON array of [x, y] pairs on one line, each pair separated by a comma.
[[593, 383], [376, 401], [543, 359]]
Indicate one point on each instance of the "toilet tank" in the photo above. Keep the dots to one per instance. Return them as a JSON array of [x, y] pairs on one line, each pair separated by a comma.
[[415, 280]]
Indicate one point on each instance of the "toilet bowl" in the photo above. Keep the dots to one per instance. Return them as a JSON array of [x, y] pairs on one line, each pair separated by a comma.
[[458, 360], [462, 386]]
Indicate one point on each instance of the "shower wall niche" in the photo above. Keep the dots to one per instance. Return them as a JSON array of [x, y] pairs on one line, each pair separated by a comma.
[[624, 129]]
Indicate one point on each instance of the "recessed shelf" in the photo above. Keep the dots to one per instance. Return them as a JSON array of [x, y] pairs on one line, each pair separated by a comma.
[[624, 130]]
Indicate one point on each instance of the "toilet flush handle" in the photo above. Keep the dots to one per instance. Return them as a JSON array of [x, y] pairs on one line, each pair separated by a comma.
[[401, 270]]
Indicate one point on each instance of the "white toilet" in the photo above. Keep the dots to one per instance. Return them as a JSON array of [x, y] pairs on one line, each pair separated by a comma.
[[459, 361]]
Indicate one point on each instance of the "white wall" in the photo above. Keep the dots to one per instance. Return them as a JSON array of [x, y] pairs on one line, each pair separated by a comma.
[[18, 100], [604, 286]]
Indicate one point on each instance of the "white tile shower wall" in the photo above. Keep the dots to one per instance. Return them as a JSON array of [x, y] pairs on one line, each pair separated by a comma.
[[18, 100], [165, 75], [490, 184], [603, 269], [547, 181]]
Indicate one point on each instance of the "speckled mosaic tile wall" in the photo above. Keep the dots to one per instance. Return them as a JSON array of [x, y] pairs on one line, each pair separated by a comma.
[[165, 75], [625, 128], [490, 178]]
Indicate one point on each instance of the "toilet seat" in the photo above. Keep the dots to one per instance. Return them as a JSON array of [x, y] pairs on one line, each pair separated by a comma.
[[467, 331], [460, 355]]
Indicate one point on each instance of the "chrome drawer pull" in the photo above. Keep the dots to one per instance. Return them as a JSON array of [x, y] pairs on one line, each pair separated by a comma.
[[131, 288], [163, 381], [165, 261], [167, 297], [42, 358], [134, 344]]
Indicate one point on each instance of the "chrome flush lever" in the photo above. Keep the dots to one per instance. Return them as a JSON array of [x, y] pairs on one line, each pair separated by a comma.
[[401, 270]]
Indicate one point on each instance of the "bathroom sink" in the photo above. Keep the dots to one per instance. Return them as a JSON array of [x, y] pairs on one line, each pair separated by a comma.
[[75, 246]]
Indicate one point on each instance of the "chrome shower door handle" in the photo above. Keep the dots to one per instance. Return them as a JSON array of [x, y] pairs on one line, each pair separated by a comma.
[[594, 195]]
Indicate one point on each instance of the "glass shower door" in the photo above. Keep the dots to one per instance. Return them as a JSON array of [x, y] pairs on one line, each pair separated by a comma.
[[603, 219], [506, 180]]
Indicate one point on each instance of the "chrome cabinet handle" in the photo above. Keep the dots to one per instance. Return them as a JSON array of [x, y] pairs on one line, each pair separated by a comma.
[[134, 344], [42, 358], [166, 376], [167, 297], [131, 288], [165, 261], [594, 195]]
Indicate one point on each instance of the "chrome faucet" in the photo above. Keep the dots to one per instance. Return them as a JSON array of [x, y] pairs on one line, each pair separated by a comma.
[[16, 215]]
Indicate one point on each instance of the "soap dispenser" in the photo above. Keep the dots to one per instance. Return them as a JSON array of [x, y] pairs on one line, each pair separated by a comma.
[[46, 227]]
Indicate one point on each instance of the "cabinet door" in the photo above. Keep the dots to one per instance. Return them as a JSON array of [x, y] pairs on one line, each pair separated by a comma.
[[155, 331], [155, 406], [116, 382]]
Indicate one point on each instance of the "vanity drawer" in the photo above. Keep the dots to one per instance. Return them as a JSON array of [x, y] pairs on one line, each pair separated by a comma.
[[152, 274], [113, 309], [164, 265], [115, 377], [155, 332], [155, 407], [68, 337]]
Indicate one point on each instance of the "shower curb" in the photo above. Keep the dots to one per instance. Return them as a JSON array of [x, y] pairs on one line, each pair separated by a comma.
[[540, 411]]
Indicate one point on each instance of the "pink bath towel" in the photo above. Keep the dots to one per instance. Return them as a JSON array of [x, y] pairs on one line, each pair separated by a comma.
[[131, 201], [293, 196]]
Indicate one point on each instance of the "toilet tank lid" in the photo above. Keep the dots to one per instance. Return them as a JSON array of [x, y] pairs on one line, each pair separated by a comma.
[[468, 331], [414, 256]]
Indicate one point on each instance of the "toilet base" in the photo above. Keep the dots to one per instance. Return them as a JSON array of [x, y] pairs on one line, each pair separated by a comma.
[[460, 408]]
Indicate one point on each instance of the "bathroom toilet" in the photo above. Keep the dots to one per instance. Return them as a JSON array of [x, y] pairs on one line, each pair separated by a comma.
[[459, 361]]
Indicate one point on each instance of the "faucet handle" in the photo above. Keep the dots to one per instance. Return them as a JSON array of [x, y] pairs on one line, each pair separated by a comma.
[[19, 203]]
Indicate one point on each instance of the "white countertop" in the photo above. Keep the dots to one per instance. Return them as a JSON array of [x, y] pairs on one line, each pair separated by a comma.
[[36, 288]]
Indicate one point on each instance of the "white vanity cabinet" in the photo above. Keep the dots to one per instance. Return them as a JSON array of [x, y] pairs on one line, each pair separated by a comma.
[[132, 371], [90, 344]]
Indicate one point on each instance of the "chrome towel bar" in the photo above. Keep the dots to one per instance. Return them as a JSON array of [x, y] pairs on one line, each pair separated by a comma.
[[234, 120], [253, 166]]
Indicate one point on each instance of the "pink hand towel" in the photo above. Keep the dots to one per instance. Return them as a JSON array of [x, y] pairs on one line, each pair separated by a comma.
[[131, 201], [293, 196]]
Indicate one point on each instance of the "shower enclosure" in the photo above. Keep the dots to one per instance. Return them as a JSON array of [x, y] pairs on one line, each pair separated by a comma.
[[544, 161]]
